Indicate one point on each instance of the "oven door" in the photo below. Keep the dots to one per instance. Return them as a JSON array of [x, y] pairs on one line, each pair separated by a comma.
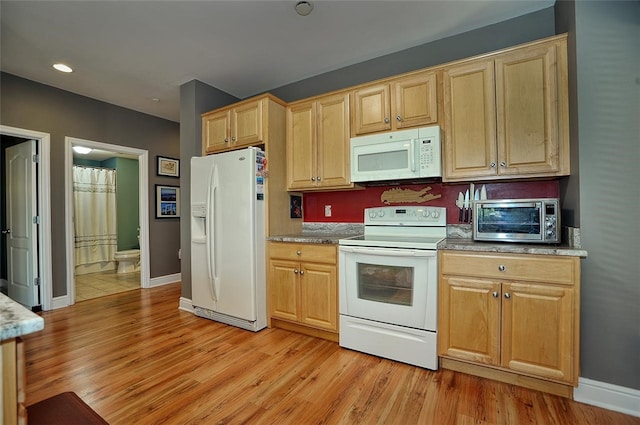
[[390, 285]]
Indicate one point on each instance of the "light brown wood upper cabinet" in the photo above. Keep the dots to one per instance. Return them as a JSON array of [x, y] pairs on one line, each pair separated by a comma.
[[506, 116], [404, 102], [318, 143], [240, 125]]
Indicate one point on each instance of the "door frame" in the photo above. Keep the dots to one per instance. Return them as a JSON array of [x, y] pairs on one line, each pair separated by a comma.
[[43, 181], [143, 199]]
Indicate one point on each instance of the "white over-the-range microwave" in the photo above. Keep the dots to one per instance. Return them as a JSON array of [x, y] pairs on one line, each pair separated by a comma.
[[404, 154]]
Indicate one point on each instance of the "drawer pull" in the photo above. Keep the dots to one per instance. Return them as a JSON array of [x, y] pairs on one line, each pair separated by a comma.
[[298, 252], [507, 295], [495, 294], [502, 267]]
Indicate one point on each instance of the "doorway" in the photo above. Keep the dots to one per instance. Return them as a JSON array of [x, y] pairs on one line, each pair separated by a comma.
[[115, 151], [39, 268]]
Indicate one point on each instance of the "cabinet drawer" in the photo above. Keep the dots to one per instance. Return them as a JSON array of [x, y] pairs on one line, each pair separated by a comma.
[[315, 253], [527, 267]]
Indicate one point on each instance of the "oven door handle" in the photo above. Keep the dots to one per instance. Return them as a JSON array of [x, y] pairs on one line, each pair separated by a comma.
[[390, 252]]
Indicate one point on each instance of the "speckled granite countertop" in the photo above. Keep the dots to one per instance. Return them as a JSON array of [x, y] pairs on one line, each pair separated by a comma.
[[321, 233], [461, 244], [16, 320]]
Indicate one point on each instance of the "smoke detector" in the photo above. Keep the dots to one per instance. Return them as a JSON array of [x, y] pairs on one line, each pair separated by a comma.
[[303, 8]]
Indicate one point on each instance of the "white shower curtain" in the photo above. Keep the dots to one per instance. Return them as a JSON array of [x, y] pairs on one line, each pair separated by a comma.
[[94, 192]]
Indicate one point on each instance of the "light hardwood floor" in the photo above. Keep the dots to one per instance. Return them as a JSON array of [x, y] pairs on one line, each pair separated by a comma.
[[136, 359]]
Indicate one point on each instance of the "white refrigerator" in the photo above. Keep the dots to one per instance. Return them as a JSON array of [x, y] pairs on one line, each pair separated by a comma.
[[228, 268]]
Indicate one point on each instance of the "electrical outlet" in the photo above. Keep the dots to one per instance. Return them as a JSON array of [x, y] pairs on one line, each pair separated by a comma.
[[327, 210]]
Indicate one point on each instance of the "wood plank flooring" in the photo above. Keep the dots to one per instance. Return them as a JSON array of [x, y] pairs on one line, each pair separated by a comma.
[[136, 359]]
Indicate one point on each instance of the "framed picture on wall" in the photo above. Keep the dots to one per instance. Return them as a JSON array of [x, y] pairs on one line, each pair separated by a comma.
[[169, 167], [167, 201]]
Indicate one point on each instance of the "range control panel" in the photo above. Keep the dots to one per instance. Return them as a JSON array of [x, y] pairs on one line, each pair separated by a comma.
[[406, 216]]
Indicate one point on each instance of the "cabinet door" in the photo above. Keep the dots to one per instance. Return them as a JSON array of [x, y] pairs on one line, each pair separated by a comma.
[[414, 100], [283, 289], [333, 141], [469, 319], [527, 111], [246, 124], [216, 129], [469, 121], [537, 330], [319, 299], [301, 146], [371, 110]]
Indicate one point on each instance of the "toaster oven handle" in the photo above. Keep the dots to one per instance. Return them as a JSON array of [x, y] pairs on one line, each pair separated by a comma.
[[389, 252]]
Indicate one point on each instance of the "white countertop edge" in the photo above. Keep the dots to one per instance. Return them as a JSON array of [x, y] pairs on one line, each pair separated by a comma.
[[16, 320]]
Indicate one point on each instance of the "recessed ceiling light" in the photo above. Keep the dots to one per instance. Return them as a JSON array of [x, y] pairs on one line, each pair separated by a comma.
[[62, 67], [81, 150], [304, 7]]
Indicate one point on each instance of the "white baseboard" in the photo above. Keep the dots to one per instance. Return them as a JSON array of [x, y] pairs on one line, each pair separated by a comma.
[[186, 305], [164, 280], [60, 302], [608, 396]]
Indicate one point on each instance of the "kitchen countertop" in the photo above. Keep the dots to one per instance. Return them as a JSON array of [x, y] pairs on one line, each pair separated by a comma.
[[321, 233], [463, 244], [16, 320]]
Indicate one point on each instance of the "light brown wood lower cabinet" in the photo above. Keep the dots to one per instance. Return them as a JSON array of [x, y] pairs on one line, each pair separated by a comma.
[[512, 314], [303, 288], [13, 409]]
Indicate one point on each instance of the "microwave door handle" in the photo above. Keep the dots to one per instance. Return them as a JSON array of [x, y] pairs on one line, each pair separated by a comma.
[[412, 155]]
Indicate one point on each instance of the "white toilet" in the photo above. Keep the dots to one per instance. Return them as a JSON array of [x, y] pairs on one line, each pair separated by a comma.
[[128, 261]]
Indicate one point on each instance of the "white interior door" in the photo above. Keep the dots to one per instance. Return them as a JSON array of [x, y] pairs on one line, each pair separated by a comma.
[[21, 231]]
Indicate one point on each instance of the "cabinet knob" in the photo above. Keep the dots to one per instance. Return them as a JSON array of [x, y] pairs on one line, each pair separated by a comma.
[[495, 294], [386, 120], [301, 272], [507, 295], [313, 179], [398, 118], [233, 139], [502, 267], [492, 165], [298, 252], [503, 164], [318, 178], [226, 140], [295, 271]]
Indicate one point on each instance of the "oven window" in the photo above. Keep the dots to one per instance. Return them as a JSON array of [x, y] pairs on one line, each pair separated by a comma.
[[385, 284], [523, 220]]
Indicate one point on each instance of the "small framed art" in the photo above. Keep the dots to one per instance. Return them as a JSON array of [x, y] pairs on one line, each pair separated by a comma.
[[167, 201], [169, 167]]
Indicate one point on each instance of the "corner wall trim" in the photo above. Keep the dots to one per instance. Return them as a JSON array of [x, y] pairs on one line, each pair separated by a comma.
[[186, 305], [164, 280], [613, 397], [60, 302]]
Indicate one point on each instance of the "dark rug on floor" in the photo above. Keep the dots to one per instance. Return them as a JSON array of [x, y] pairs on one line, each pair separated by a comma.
[[63, 409]]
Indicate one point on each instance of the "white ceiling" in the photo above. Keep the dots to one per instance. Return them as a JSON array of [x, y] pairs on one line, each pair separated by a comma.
[[129, 53]]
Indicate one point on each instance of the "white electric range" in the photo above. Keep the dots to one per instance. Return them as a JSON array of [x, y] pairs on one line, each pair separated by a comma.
[[389, 284]]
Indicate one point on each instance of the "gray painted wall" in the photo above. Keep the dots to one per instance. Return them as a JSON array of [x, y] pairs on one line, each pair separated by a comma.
[[33, 106], [195, 99], [608, 111]]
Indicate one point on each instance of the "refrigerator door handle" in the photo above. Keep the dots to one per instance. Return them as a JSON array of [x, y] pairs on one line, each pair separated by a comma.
[[210, 237]]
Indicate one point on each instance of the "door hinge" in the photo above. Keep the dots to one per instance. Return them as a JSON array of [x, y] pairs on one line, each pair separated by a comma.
[[36, 219], [36, 158], [36, 281]]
